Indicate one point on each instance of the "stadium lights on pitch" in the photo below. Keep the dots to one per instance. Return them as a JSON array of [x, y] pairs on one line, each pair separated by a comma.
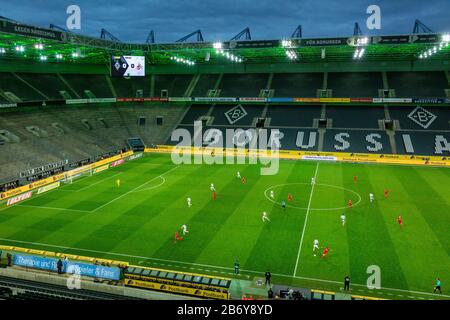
[[182, 60], [217, 45], [286, 43], [20, 48], [229, 56], [359, 53], [432, 51], [2, 50], [74, 55], [39, 46], [43, 58], [58, 56], [291, 54], [362, 41], [446, 37]]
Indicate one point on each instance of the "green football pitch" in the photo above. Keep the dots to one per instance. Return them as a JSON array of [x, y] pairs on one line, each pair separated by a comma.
[[136, 222]]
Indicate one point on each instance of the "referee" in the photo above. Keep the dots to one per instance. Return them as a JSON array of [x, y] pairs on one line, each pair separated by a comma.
[[268, 276], [236, 267], [347, 283]]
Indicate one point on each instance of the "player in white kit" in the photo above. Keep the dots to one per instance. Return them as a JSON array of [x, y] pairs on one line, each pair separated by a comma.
[[315, 246], [184, 229], [265, 217], [272, 194], [238, 175], [371, 197], [343, 219], [212, 187], [189, 202], [313, 181]]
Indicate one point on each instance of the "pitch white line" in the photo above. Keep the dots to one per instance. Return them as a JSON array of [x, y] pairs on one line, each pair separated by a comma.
[[87, 187], [127, 193], [153, 187], [317, 184], [50, 208], [306, 220], [178, 263]]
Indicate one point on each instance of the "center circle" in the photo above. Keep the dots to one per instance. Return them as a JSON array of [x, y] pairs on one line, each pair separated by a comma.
[[304, 207]]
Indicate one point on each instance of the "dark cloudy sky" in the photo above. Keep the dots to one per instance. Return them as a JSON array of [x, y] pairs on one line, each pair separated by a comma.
[[132, 20]]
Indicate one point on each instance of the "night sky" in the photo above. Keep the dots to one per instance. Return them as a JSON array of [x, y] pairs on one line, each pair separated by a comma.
[[131, 21]]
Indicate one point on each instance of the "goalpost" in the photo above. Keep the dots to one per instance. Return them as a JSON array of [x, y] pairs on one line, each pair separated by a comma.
[[76, 174]]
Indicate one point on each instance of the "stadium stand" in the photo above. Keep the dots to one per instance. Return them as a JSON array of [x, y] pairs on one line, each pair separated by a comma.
[[421, 118], [418, 84], [352, 128], [129, 87], [77, 141], [297, 84], [243, 85], [355, 84], [195, 112], [83, 84], [363, 141], [176, 85], [49, 84], [10, 83], [205, 82], [427, 143], [236, 115], [293, 116], [298, 139], [355, 116]]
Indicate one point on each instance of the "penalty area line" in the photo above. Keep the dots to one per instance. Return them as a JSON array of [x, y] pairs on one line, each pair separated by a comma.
[[133, 190]]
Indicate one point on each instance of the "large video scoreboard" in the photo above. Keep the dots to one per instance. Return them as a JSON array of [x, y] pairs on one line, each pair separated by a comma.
[[128, 66]]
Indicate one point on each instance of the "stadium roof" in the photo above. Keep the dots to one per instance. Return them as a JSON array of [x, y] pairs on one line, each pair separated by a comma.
[[20, 41]]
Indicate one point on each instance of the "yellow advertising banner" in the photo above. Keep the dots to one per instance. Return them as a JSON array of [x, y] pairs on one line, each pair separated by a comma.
[[335, 100], [101, 168], [177, 289], [311, 155], [308, 100]]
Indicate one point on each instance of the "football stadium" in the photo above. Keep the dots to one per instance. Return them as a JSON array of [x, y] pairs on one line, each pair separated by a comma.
[[297, 168]]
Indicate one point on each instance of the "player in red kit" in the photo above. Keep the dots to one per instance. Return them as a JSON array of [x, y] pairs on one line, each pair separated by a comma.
[[325, 252], [386, 193], [400, 221], [350, 204], [243, 180], [290, 197], [214, 195], [177, 237], [355, 178]]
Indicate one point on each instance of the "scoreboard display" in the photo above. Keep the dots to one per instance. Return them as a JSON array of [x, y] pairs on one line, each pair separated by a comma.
[[128, 66]]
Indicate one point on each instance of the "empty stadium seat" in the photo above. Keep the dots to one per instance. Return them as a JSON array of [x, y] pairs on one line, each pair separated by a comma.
[[293, 116], [243, 85], [418, 84], [297, 84], [355, 116], [362, 141], [355, 84]]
